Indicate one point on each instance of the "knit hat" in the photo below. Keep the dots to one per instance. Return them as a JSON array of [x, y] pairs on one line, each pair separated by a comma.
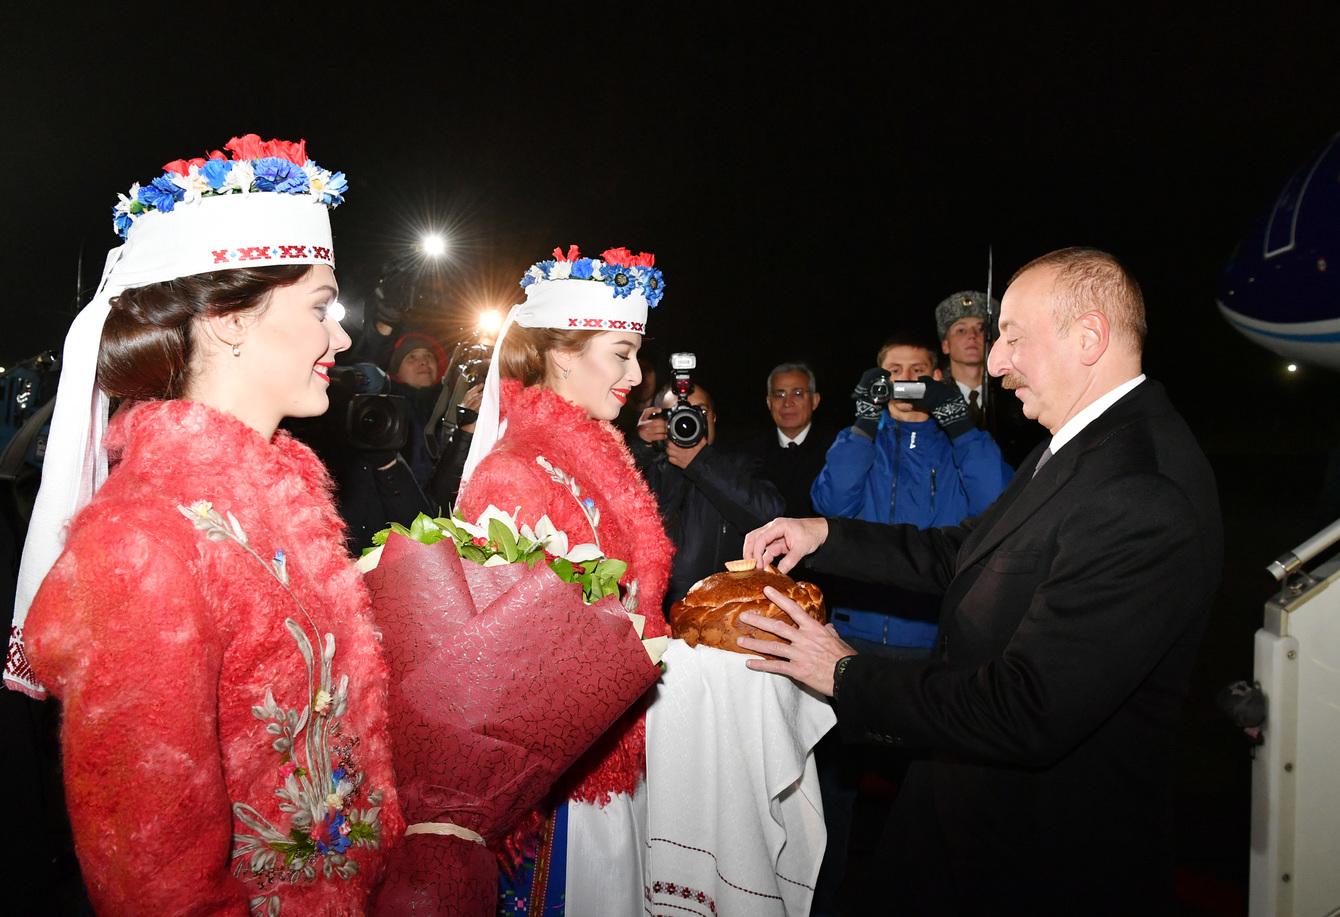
[[964, 304], [265, 206], [411, 342], [609, 293]]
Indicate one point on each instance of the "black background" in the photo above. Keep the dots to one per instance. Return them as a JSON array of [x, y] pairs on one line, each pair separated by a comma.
[[810, 178]]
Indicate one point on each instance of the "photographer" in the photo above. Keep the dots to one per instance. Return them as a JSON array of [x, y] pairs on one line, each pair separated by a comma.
[[393, 481], [708, 498]]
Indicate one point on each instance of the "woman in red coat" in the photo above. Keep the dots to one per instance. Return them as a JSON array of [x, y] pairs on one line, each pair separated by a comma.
[[567, 359], [224, 740]]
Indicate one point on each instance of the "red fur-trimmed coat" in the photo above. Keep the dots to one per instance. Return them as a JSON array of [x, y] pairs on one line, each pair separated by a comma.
[[591, 491], [222, 745]]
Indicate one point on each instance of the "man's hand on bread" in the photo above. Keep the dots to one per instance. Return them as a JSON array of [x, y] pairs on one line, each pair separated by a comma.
[[789, 539], [811, 650]]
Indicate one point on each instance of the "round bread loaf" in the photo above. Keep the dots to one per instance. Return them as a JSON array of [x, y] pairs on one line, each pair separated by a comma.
[[709, 613]]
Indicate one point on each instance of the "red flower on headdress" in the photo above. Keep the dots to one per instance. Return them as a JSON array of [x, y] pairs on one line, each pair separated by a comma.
[[183, 166], [250, 146], [646, 259], [573, 254], [619, 257], [295, 153]]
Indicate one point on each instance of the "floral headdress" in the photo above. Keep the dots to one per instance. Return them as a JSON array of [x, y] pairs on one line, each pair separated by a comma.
[[621, 271], [268, 205], [275, 165], [609, 293]]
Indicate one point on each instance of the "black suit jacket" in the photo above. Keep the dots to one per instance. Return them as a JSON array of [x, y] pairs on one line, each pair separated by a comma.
[[792, 470], [1073, 608]]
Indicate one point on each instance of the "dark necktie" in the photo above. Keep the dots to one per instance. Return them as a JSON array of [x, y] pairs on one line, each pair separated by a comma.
[[974, 408], [791, 445]]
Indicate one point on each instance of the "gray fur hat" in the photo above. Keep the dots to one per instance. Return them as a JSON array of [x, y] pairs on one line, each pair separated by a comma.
[[963, 304]]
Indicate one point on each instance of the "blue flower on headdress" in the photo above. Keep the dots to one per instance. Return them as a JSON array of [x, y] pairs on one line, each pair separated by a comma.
[[621, 279], [215, 172], [333, 192], [121, 222], [161, 194], [275, 174], [582, 269], [653, 285]]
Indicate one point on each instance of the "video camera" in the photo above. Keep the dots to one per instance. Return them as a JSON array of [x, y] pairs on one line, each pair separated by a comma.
[[882, 391], [685, 423]]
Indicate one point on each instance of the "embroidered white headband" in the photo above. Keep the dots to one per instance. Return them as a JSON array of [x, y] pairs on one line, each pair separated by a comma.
[[610, 293], [263, 209]]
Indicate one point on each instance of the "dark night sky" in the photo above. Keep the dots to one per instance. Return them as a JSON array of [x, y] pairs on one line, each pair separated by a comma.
[[810, 181]]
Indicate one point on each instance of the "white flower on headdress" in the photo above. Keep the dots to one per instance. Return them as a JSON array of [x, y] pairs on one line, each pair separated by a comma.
[[317, 178], [193, 183], [240, 177], [560, 270], [535, 273], [596, 269], [123, 202]]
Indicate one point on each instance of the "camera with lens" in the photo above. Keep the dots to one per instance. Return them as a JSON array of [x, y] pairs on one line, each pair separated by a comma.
[[374, 421], [685, 423], [362, 417]]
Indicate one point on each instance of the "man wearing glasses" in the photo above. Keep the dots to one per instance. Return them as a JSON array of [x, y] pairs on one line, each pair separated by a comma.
[[791, 454]]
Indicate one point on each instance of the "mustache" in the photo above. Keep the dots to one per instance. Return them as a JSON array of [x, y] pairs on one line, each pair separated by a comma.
[[1012, 381]]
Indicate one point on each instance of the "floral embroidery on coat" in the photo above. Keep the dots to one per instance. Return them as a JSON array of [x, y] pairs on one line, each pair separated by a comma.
[[318, 780]]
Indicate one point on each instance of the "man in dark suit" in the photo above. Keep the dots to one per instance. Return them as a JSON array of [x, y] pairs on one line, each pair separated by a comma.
[[1073, 608], [792, 454]]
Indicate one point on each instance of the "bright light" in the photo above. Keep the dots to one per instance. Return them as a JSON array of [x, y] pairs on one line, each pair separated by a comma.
[[490, 321], [1292, 367], [433, 245], [337, 311]]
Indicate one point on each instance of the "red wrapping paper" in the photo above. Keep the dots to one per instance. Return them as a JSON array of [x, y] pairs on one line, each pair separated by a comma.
[[501, 678]]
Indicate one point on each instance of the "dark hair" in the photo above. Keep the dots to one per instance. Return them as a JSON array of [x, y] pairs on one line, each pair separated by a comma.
[[907, 339], [523, 351], [146, 341]]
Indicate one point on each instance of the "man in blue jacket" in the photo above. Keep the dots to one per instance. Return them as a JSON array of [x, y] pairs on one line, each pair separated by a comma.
[[923, 462]]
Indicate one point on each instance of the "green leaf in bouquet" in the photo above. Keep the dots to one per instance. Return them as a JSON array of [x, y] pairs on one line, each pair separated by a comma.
[[448, 525], [473, 552], [380, 537], [500, 535], [564, 569], [611, 568], [425, 531]]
